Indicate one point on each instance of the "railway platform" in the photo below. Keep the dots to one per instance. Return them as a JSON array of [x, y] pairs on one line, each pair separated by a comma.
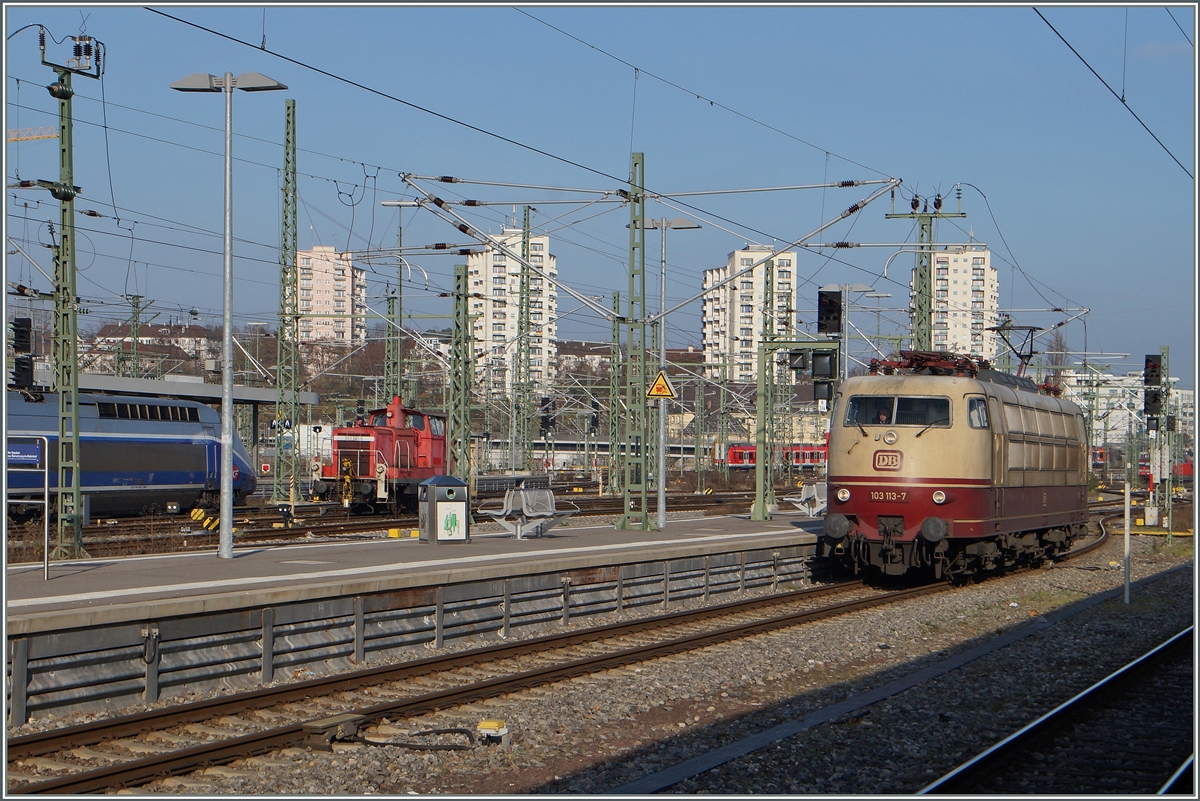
[[85, 592]]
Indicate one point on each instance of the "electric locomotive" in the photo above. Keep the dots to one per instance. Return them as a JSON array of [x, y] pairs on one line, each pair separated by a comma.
[[137, 454], [939, 463], [379, 461]]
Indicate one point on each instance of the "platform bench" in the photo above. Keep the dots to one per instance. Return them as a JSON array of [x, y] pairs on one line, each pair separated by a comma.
[[530, 512]]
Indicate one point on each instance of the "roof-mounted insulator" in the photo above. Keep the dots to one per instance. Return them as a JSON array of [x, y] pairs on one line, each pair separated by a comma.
[[42, 38], [937, 203], [78, 49], [916, 202], [448, 179]]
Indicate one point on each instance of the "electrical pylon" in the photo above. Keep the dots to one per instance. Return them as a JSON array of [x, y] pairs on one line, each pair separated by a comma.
[[616, 464], [634, 512], [287, 371], [461, 378], [65, 345], [922, 300]]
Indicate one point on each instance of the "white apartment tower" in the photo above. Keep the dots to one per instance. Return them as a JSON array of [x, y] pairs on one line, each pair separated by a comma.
[[966, 299], [731, 316], [495, 287], [330, 286]]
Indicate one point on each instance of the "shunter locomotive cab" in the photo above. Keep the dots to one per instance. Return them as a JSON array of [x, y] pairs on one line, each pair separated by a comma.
[[381, 459]]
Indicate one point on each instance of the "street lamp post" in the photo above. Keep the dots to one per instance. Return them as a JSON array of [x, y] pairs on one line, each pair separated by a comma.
[[247, 82], [663, 224]]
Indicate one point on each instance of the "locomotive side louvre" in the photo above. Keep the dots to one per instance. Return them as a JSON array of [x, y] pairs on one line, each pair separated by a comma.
[[951, 472]]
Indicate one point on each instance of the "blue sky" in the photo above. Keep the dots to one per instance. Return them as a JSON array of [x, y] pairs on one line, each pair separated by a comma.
[[1084, 208]]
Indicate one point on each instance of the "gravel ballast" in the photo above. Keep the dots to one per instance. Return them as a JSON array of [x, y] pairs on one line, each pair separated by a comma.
[[597, 733]]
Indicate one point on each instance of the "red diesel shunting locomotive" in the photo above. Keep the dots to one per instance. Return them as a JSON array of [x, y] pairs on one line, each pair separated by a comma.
[[380, 460], [943, 464]]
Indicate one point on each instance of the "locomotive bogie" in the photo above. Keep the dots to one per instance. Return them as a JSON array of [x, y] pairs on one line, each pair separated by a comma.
[[954, 474]]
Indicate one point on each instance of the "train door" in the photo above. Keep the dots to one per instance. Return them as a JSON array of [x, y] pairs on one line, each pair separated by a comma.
[[212, 456], [999, 451]]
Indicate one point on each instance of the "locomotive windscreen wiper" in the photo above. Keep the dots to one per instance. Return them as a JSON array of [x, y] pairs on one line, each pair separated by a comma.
[[939, 421], [860, 428]]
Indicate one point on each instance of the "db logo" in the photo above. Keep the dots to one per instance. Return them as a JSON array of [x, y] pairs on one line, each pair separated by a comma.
[[889, 460]]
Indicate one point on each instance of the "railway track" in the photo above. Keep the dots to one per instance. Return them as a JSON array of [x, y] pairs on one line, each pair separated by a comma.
[[174, 533], [131, 750], [1128, 733]]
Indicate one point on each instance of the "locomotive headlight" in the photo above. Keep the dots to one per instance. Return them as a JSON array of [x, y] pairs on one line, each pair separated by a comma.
[[843, 495], [939, 497]]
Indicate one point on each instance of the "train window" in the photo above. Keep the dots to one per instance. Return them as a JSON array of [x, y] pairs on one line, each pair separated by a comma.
[[106, 409], [977, 416], [379, 419], [416, 421], [870, 410], [123, 411], [923, 411], [437, 426]]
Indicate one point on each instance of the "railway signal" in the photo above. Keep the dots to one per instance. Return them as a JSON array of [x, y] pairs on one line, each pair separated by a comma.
[[22, 373], [1152, 376], [22, 334], [829, 311], [824, 371], [1152, 401], [594, 424], [798, 360], [547, 420]]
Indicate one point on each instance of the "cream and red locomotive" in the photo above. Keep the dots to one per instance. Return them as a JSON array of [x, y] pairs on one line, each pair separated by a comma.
[[938, 463], [379, 461]]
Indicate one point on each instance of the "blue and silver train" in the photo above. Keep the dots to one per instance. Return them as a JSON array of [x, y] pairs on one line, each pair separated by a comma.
[[138, 454]]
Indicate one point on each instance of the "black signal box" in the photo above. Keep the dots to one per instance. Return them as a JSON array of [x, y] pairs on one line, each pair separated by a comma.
[[1152, 377]]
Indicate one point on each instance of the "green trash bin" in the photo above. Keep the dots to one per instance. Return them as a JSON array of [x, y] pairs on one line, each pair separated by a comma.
[[445, 510]]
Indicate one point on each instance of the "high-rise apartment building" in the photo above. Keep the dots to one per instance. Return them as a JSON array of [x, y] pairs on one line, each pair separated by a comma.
[[731, 316], [966, 300], [495, 286], [331, 290]]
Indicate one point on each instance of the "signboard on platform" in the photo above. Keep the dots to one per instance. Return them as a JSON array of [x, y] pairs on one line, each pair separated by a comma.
[[23, 453]]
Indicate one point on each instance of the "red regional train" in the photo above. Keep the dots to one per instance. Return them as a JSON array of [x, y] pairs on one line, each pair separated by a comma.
[[942, 464], [806, 457], [379, 461]]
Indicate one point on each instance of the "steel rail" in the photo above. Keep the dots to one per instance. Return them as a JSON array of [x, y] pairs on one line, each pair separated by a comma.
[[96, 731], [247, 745], [965, 775]]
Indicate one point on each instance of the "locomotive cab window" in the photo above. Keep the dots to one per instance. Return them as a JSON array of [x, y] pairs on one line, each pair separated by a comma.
[[977, 416], [379, 419], [887, 410], [437, 426], [416, 421]]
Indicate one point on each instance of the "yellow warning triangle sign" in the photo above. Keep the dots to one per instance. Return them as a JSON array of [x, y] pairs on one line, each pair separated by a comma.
[[661, 388]]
